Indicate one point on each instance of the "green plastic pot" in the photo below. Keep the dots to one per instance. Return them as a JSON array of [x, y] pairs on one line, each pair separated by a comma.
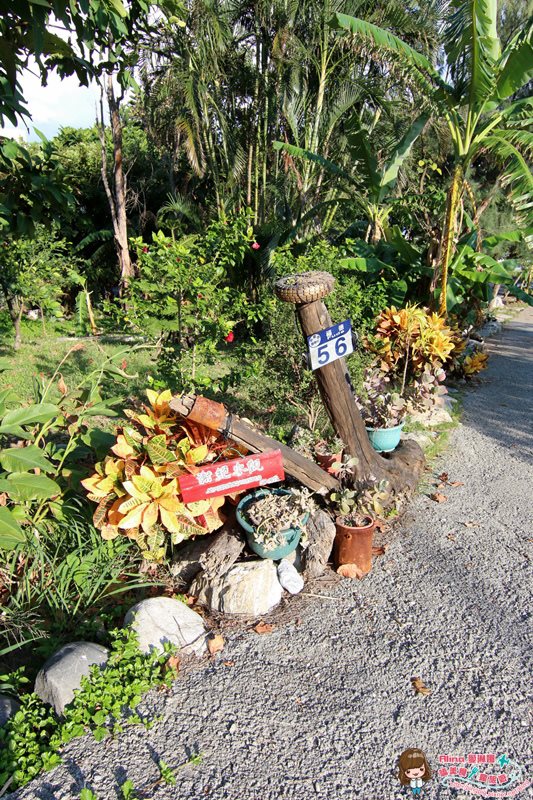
[[292, 535], [385, 440]]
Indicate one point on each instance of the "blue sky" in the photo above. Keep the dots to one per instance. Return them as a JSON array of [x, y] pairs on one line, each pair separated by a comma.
[[59, 104]]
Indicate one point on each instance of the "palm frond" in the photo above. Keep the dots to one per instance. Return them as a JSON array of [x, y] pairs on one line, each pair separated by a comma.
[[329, 166], [381, 38], [516, 64], [517, 177], [192, 145], [473, 48], [178, 206]]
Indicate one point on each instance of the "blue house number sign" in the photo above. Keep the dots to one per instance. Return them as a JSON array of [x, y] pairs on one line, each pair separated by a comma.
[[330, 344]]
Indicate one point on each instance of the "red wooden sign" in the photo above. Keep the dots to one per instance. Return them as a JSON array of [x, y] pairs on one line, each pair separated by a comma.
[[229, 477]]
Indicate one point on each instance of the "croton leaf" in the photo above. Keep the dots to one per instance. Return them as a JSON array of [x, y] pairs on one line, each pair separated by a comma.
[[157, 450]]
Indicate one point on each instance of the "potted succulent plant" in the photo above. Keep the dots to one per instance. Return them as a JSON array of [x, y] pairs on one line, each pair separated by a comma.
[[354, 531], [356, 510], [329, 454], [274, 520], [383, 411]]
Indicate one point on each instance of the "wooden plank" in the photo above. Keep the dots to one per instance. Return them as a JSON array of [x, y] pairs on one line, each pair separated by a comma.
[[295, 464]]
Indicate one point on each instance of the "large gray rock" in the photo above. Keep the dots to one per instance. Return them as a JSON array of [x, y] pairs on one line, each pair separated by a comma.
[[425, 440], [491, 327], [8, 708], [162, 619], [432, 417], [62, 673], [250, 588]]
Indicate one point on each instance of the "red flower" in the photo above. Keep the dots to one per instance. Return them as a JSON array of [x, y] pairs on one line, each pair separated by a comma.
[[256, 246], [200, 295], [230, 337], [145, 249]]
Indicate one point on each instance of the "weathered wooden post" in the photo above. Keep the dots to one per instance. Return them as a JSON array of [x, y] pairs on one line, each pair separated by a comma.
[[403, 467]]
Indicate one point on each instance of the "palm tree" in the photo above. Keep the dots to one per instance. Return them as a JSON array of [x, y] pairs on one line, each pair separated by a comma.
[[484, 101], [368, 184]]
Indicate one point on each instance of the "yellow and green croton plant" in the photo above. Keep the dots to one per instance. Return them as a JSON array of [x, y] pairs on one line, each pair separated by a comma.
[[136, 486]]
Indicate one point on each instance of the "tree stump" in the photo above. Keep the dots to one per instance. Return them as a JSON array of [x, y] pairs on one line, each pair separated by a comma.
[[321, 535], [404, 466], [224, 549]]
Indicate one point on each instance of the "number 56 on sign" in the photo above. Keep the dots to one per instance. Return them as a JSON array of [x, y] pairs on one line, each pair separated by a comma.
[[330, 344]]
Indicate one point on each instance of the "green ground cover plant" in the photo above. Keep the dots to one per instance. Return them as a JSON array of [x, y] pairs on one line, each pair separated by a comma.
[[107, 700]]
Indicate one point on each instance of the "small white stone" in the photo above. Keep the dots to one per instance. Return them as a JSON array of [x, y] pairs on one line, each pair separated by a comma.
[[289, 577]]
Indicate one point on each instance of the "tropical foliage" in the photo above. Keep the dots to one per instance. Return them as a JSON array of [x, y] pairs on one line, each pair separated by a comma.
[[478, 99], [386, 142], [137, 489]]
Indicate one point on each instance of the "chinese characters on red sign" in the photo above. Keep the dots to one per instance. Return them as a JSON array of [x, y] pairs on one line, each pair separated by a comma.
[[230, 477]]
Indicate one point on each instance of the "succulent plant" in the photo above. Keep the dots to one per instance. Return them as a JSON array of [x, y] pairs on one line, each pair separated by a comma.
[[273, 514], [427, 391], [363, 501], [381, 405]]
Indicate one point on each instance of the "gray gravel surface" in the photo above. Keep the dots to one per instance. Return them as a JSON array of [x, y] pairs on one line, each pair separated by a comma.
[[322, 706]]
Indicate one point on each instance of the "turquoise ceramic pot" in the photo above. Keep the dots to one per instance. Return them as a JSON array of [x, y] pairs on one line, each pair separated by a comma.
[[385, 440], [292, 535]]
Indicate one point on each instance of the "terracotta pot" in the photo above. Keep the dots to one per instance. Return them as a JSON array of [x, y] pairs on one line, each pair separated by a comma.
[[326, 461], [354, 545]]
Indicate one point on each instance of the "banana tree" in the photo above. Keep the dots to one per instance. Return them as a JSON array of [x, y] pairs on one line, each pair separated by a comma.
[[474, 274], [368, 185], [476, 104]]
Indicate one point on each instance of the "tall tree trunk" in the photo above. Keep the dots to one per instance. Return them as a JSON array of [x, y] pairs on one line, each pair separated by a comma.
[[116, 195], [249, 175], [16, 308], [452, 204]]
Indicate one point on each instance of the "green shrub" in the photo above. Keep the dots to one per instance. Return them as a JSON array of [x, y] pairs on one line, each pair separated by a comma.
[[186, 299], [353, 297]]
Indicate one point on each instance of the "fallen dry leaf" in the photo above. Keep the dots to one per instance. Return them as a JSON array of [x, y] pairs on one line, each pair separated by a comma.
[[438, 497], [264, 627], [215, 644], [443, 477], [350, 571], [441, 485], [190, 600], [381, 525], [419, 686], [451, 537], [379, 550], [471, 524], [173, 664], [229, 663], [456, 483]]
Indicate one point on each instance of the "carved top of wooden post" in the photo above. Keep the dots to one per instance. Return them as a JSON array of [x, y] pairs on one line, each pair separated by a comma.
[[306, 287]]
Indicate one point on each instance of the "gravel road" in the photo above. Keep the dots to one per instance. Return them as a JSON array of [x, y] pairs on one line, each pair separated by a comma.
[[322, 706]]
